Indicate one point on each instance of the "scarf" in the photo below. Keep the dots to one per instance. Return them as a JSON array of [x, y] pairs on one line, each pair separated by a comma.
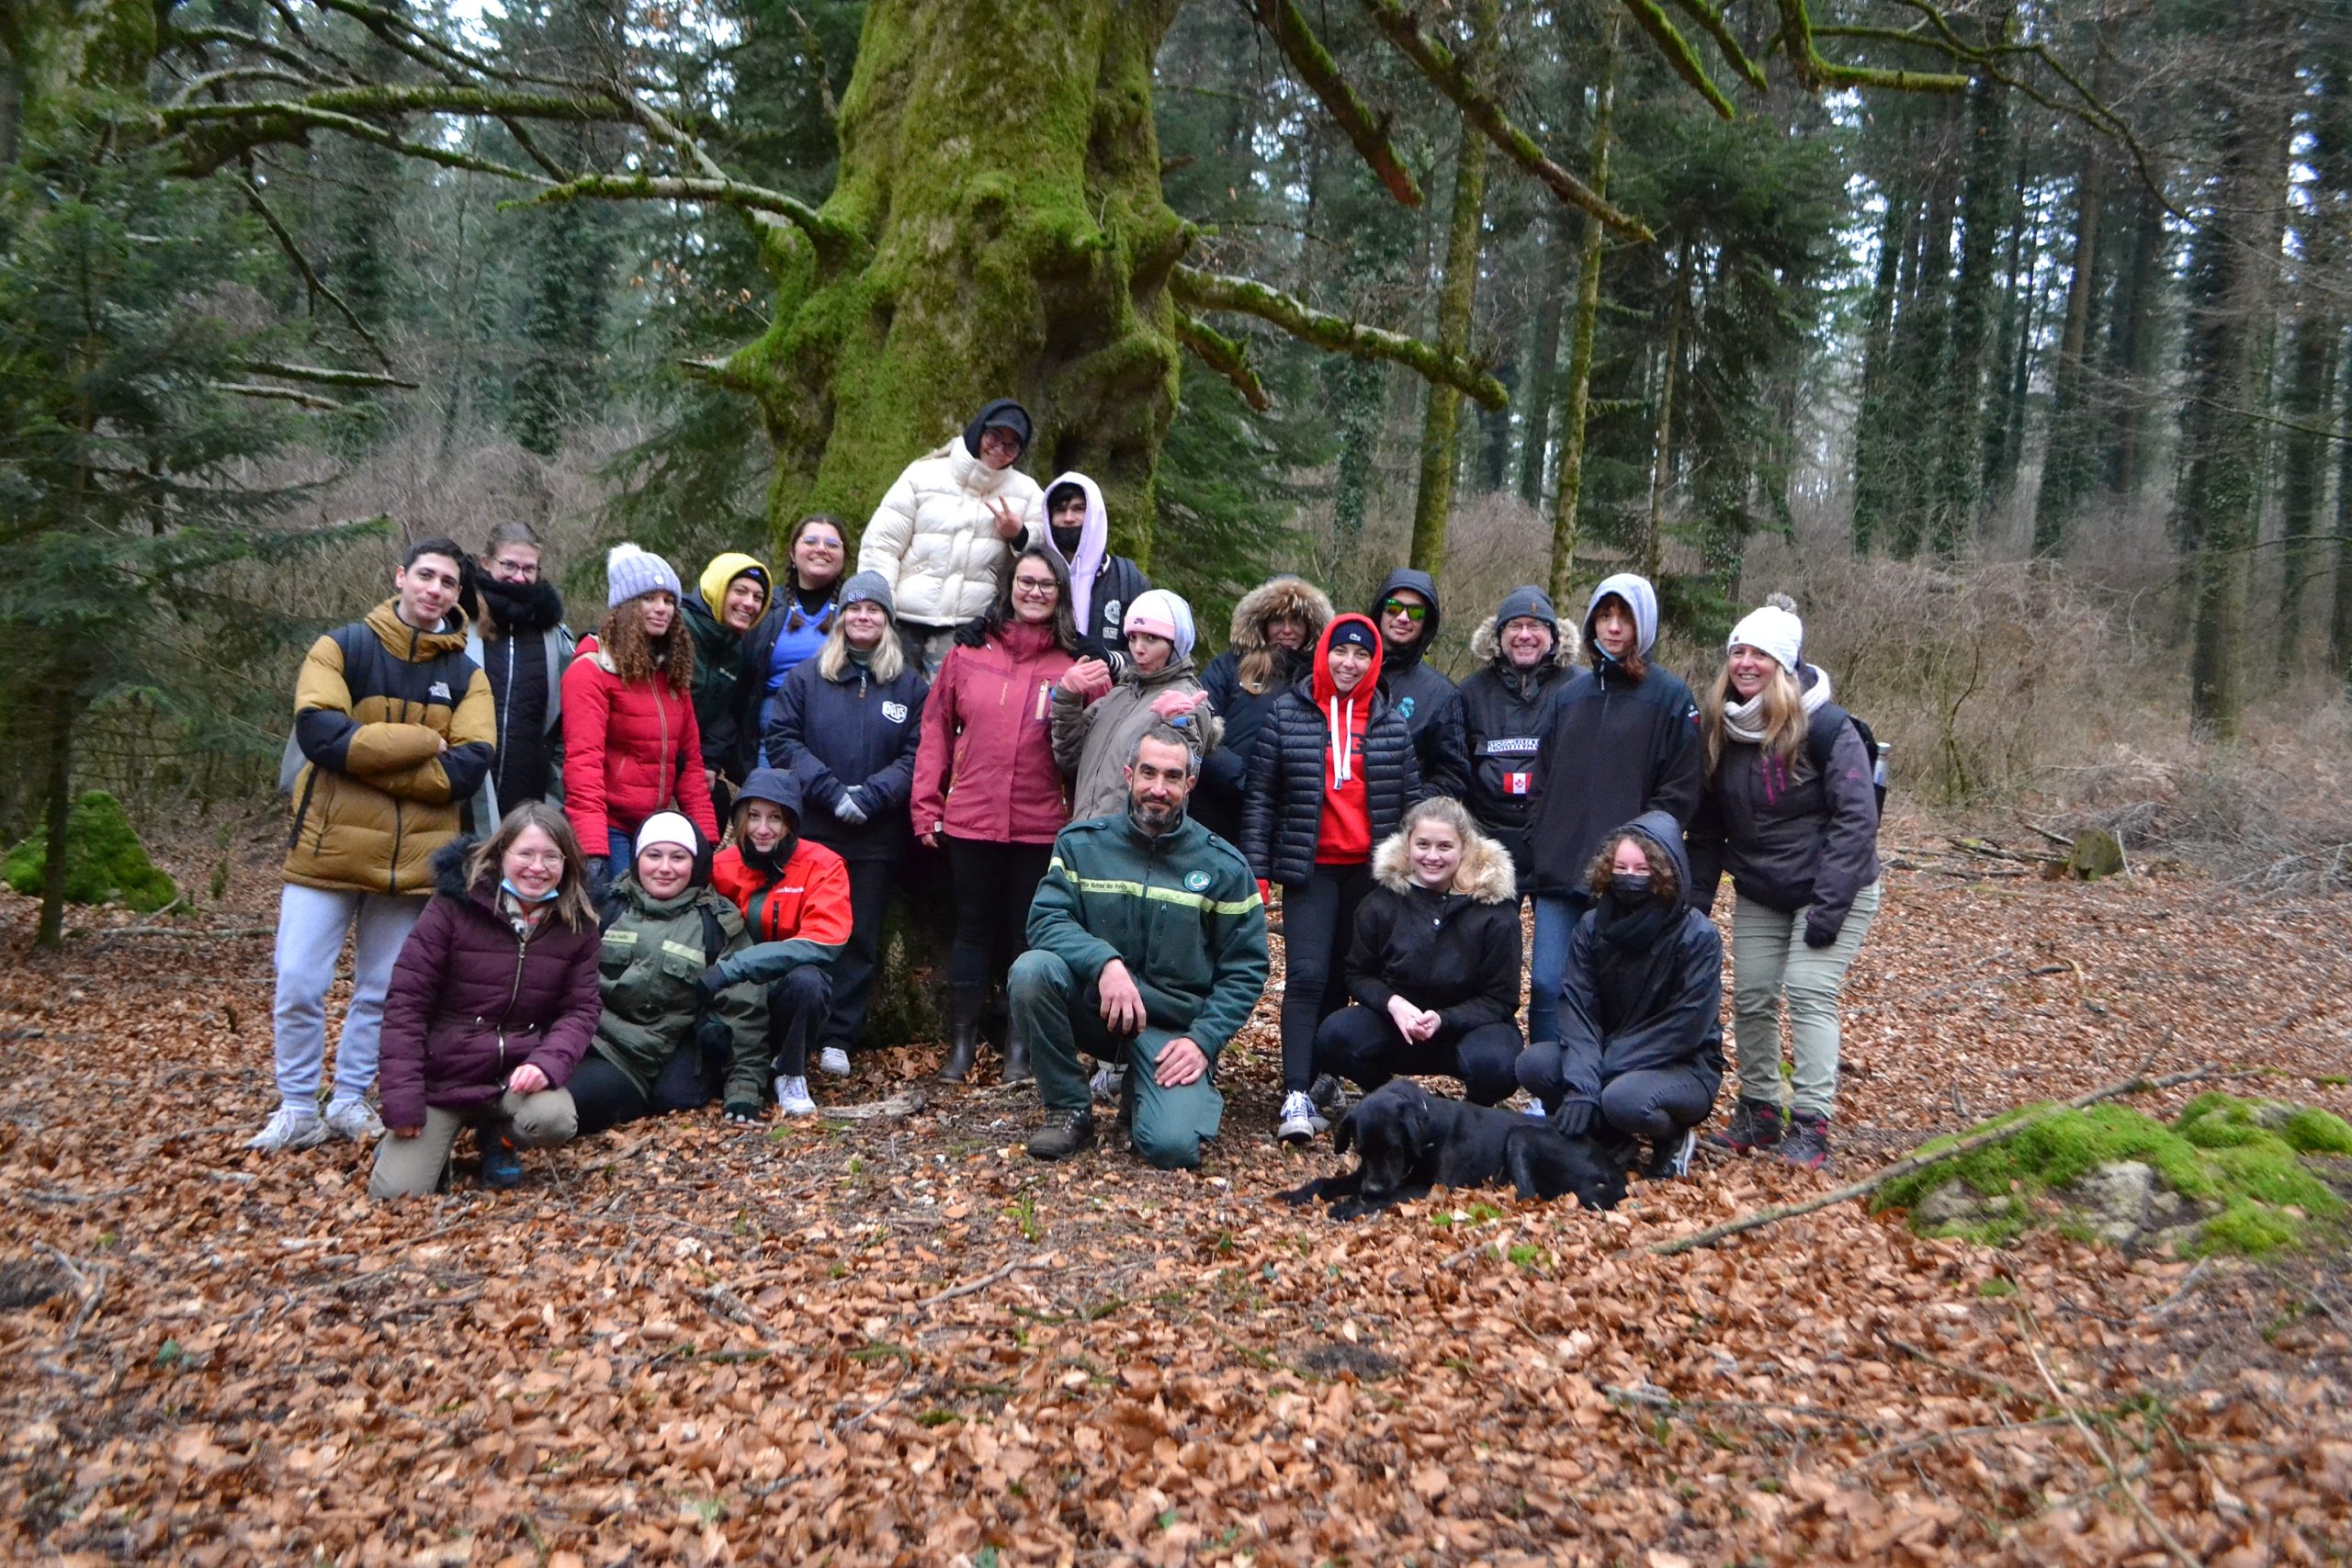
[[520, 606], [1637, 959], [770, 863], [1745, 721]]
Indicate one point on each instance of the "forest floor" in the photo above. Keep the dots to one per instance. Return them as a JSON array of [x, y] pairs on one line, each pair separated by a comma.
[[903, 1342]]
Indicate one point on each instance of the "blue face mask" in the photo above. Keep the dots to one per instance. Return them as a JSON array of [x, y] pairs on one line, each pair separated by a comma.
[[550, 896]]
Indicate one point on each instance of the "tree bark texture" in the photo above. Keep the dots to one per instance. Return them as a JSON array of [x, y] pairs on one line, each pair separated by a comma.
[[1566, 500], [2065, 464], [1540, 385], [2133, 333], [1984, 212]]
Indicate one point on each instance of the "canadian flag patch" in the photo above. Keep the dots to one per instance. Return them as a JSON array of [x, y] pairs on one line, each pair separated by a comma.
[[1517, 784]]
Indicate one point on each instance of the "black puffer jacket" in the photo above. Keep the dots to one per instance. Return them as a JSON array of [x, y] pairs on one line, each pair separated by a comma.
[[1425, 699], [1283, 815], [1660, 1008], [1242, 684], [1455, 953], [1505, 711], [1789, 836]]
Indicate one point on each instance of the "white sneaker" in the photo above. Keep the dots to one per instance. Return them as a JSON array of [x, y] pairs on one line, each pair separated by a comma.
[[792, 1096], [1300, 1120], [290, 1128], [1673, 1162], [1108, 1083], [355, 1119], [1535, 1108], [834, 1062]]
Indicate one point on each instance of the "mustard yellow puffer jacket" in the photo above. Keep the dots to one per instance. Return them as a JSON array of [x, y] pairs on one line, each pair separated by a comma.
[[378, 796]]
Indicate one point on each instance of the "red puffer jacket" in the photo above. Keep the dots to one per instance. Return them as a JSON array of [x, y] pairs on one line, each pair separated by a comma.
[[630, 749], [470, 1001], [984, 765]]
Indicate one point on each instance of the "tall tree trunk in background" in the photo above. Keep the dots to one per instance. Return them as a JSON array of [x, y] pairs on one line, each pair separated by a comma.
[[1876, 426], [1358, 391], [57, 787], [2339, 627], [1922, 339], [997, 229], [2232, 264], [1543, 378], [2132, 337], [1998, 460], [2319, 317], [1456, 302], [2302, 481], [1569, 496], [1670, 366], [1494, 432], [1983, 210], [2065, 463]]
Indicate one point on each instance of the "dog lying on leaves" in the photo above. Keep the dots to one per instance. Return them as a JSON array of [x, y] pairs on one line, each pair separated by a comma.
[[1409, 1141]]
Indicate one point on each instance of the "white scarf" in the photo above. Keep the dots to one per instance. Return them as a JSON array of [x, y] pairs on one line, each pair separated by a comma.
[[1745, 721]]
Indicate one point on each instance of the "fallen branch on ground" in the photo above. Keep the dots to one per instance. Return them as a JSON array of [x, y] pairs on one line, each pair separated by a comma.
[[2098, 1445], [907, 1102], [973, 1287]]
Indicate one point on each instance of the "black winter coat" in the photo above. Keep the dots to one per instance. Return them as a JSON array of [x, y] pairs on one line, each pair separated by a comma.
[[1789, 836], [1678, 1021], [1224, 773], [1615, 748], [1425, 699], [1455, 953], [1281, 813], [856, 732], [1504, 714]]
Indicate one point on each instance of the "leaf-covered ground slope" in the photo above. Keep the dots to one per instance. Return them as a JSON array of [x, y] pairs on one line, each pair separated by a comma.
[[905, 1343]]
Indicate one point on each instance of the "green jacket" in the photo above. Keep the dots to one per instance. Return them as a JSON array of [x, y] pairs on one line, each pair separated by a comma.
[[1181, 910], [654, 951]]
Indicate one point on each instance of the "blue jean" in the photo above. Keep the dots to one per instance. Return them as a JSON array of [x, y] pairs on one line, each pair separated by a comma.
[[1547, 961]]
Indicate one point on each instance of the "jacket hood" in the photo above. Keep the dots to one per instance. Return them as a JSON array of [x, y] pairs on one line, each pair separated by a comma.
[[1412, 581], [1660, 829], [1320, 676], [1637, 593], [723, 570], [1272, 599], [1093, 543], [777, 786], [1005, 412], [404, 641], [1485, 874], [449, 867]]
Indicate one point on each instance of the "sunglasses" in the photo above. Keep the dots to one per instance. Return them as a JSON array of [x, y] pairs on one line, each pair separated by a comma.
[[1416, 613]]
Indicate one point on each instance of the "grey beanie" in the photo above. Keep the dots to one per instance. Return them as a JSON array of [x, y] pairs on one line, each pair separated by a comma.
[[869, 588], [631, 571], [1527, 601]]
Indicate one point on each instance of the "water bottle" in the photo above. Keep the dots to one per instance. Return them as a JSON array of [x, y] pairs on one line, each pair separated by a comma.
[[1878, 767]]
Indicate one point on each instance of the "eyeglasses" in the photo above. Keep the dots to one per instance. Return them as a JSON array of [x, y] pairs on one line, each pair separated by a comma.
[[1416, 613], [537, 857], [1036, 587], [515, 572]]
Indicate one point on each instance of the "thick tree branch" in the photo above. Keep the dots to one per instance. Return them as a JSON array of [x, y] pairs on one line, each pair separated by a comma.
[[324, 375], [1227, 357], [214, 134], [1217, 291], [1316, 67], [1438, 64], [1652, 19], [1711, 21], [1814, 73], [310, 278], [723, 191]]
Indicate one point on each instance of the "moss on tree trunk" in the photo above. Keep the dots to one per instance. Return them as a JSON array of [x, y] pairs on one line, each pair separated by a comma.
[[997, 229]]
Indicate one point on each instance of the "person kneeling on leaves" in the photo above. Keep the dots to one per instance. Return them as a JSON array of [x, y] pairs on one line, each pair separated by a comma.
[[1146, 931], [1641, 1047], [663, 1044], [794, 894], [490, 1005]]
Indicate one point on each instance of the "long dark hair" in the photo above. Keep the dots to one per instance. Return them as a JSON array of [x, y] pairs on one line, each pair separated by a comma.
[[1000, 614], [635, 655]]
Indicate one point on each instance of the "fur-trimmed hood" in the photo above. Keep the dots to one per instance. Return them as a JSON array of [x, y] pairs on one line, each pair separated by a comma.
[[449, 868], [1483, 874], [1486, 646], [1274, 599]]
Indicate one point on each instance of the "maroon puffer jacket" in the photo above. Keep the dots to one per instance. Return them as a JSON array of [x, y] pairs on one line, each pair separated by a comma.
[[470, 1002]]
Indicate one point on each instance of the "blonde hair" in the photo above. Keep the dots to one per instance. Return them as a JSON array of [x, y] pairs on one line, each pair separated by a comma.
[[1783, 712], [488, 863], [886, 663]]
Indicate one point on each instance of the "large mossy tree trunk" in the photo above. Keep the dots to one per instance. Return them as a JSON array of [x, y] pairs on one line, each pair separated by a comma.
[[997, 229]]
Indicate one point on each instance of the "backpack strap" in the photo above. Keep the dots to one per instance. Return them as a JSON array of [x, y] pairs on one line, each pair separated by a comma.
[[714, 940], [1821, 735]]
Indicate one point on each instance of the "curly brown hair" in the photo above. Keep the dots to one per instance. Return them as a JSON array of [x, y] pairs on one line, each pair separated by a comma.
[[1664, 884], [637, 657]]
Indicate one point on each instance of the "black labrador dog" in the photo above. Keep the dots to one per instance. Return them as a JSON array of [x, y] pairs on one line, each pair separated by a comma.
[[1409, 1141]]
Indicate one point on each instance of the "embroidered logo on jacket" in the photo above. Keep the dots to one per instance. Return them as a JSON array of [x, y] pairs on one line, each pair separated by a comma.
[[438, 691], [1198, 881], [1405, 709], [895, 712]]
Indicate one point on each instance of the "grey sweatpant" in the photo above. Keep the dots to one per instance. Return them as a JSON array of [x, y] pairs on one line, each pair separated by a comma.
[[311, 924], [1769, 959]]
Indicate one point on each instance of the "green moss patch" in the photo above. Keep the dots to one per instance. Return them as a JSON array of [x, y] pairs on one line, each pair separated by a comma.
[[2241, 1163], [104, 862]]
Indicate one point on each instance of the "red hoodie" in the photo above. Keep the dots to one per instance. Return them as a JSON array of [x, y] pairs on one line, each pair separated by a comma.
[[1345, 836]]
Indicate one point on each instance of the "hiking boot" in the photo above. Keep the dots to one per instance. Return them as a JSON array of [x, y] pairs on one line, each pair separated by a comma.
[[1064, 1135], [1109, 1083], [355, 1119], [291, 1128], [1326, 1093], [1670, 1160], [963, 1033], [792, 1096], [1755, 1124], [1807, 1144], [834, 1062], [502, 1162], [1300, 1120]]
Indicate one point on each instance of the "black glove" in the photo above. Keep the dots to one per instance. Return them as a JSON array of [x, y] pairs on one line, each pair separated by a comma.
[[712, 981], [599, 870], [746, 1112], [1821, 933], [1576, 1115]]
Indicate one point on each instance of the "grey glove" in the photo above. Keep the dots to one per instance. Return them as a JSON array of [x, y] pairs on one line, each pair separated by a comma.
[[851, 807]]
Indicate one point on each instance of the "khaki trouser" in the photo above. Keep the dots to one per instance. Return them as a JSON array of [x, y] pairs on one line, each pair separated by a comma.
[[1768, 958], [416, 1168]]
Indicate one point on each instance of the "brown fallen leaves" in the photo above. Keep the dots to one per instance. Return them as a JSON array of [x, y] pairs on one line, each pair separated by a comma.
[[902, 1342]]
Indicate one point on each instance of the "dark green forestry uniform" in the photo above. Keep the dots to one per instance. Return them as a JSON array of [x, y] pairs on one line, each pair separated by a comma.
[[1182, 912]]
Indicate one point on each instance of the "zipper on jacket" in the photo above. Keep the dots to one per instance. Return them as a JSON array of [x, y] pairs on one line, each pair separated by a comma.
[[506, 709]]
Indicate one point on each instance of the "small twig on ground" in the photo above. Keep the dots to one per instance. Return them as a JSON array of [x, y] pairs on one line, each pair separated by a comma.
[[1660, 1399], [907, 1102], [2178, 1553], [973, 1287], [1959, 1369], [1932, 1439]]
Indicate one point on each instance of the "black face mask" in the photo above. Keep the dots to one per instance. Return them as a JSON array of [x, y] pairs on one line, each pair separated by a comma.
[[1627, 891], [1065, 540]]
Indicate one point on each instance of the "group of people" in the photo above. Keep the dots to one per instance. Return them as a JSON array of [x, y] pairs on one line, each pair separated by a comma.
[[595, 879]]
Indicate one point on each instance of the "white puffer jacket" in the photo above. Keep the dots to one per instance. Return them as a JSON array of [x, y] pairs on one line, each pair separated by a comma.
[[934, 537]]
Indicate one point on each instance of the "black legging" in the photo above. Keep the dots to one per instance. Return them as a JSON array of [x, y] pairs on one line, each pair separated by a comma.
[[605, 1096], [994, 884], [1319, 922], [1364, 1046], [870, 884]]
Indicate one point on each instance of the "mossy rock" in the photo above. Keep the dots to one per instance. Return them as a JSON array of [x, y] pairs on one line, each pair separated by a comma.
[[2228, 1175], [2096, 854], [104, 862]]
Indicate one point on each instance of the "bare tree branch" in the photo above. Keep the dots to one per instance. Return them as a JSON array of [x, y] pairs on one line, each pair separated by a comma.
[[1711, 21], [1316, 67], [310, 278], [325, 375], [1218, 291], [680, 188]]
